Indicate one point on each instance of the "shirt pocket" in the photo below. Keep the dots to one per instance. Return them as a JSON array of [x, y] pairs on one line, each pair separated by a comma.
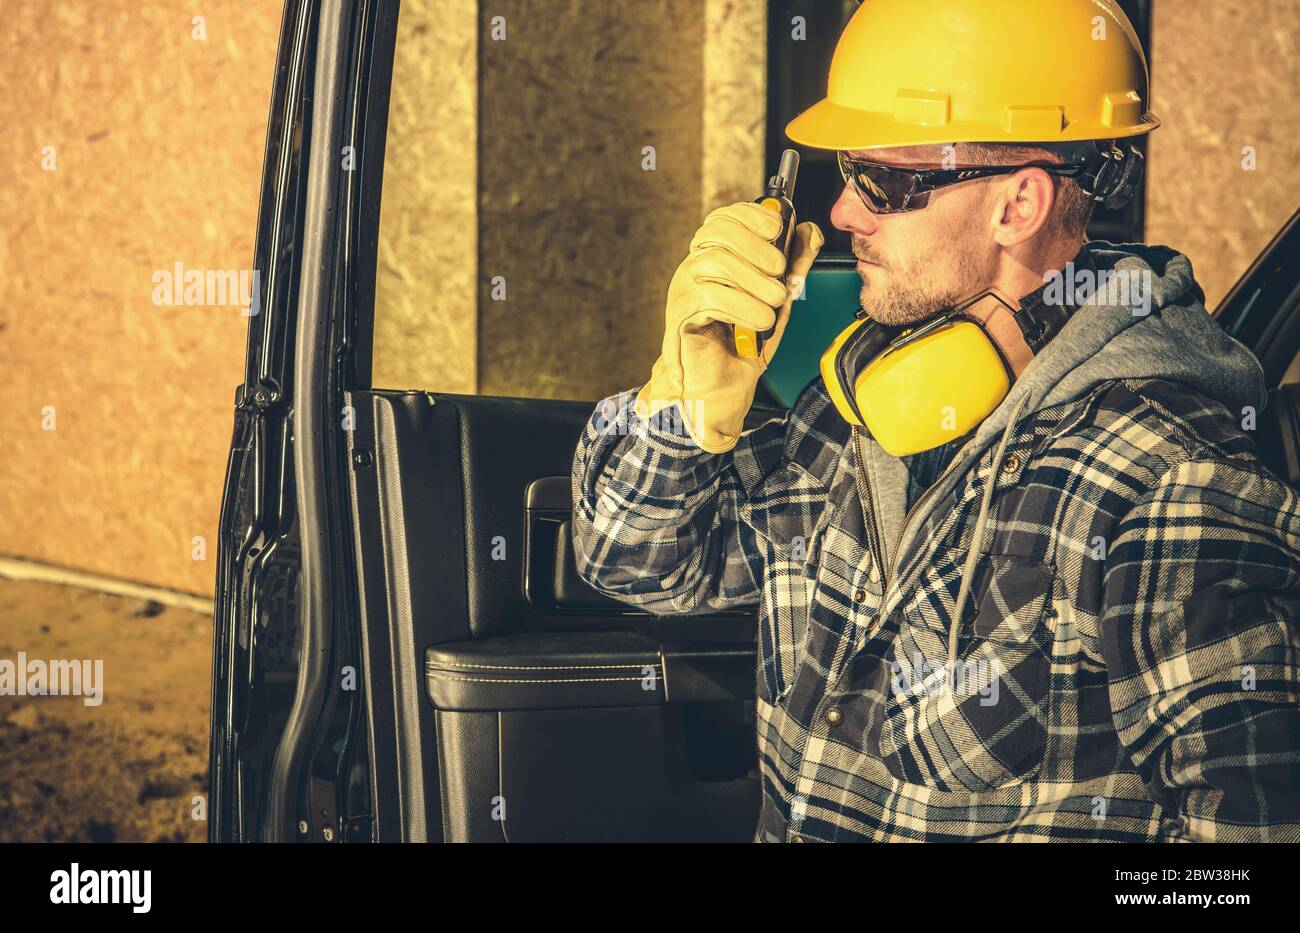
[[981, 723]]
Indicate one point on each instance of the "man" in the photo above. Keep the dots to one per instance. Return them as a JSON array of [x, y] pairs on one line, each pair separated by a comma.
[[1073, 616]]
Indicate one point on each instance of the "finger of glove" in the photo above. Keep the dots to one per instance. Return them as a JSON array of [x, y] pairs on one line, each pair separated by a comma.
[[753, 217], [808, 241], [724, 268], [718, 302], [730, 233]]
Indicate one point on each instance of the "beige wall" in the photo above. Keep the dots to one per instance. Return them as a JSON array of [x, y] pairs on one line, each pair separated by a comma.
[[1224, 76], [426, 316], [585, 238], [157, 141]]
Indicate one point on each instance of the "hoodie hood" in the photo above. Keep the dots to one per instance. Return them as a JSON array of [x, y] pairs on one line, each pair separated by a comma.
[[1163, 331], [1146, 319]]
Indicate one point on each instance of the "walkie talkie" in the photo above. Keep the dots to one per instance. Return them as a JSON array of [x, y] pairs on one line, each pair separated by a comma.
[[778, 198]]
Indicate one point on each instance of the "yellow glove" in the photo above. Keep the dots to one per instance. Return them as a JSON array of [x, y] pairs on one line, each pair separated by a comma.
[[729, 277]]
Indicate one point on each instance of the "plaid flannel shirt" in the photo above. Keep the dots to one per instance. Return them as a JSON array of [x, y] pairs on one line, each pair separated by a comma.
[[1129, 663]]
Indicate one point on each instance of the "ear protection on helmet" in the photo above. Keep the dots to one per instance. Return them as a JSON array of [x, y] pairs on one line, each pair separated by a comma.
[[915, 389], [1110, 175]]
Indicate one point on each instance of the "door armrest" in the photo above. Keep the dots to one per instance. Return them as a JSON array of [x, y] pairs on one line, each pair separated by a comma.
[[583, 670], [565, 670]]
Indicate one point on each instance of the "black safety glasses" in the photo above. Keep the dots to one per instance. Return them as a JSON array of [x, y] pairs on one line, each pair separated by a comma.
[[889, 189]]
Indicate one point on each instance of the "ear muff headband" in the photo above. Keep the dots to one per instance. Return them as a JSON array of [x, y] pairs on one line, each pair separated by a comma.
[[1111, 174]]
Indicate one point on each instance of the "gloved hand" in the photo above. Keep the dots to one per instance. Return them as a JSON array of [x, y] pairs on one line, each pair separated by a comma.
[[729, 277]]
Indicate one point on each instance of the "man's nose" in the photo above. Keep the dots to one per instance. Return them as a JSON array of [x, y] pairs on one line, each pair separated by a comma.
[[848, 213]]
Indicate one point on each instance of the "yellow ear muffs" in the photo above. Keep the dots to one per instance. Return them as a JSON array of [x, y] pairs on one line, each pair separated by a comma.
[[926, 387], [844, 359], [847, 356]]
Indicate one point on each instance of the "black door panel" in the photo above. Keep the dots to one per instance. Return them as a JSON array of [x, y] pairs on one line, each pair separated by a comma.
[[599, 775], [551, 581], [527, 705], [1262, 310]]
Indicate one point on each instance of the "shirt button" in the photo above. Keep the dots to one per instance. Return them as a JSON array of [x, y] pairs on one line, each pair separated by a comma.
[[859, 596], [833, 715], [1011, 464]]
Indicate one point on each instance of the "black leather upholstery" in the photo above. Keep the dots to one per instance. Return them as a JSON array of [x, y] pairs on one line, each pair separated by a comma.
[[570, 670], [584, 670]]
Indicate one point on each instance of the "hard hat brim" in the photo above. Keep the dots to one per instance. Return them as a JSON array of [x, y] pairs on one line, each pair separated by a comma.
[[828, 125]]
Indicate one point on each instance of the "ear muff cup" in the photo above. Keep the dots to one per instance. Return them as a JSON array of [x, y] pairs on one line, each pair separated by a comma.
[[850, 353], [923, 393], [914, 393]]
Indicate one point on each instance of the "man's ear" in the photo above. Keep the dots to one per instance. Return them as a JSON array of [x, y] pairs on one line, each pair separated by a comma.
[[1022, 206]]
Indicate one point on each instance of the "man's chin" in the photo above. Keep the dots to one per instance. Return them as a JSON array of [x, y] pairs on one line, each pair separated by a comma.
[[876, 305], [871, 295], [889, 312]]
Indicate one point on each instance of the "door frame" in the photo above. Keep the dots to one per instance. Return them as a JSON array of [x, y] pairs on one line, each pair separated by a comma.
[[286, 493]]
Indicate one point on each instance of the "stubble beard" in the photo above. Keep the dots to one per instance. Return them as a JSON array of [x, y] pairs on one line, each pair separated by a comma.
[[928, 284]]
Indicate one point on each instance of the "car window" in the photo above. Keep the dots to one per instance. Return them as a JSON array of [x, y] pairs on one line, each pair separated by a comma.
[[525, 243]]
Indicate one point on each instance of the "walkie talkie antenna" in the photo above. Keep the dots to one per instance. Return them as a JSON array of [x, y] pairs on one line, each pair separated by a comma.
[[779, 199]]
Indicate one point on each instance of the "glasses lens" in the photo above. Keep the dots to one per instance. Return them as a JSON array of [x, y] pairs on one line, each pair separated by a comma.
[[883, 189]]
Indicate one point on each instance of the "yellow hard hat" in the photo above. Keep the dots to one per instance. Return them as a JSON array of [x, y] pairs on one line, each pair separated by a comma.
[[913, 72]]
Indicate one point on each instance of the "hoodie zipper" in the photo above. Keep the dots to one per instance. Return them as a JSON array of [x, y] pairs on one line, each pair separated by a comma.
[[869, 522]]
